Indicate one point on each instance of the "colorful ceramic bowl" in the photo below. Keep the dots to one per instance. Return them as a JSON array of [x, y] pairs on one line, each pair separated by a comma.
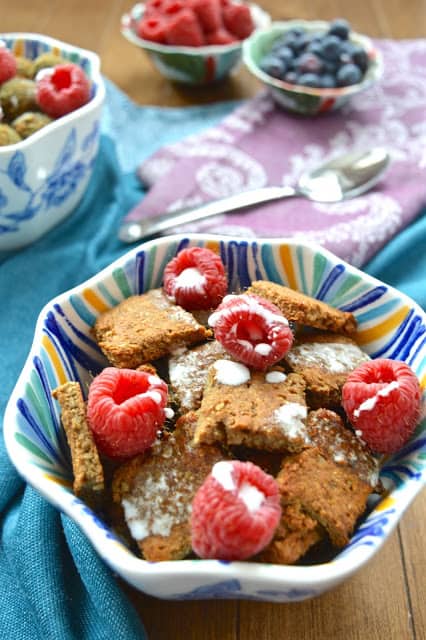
[[190, 65], [306, 100], [43, 177], [390, 325]]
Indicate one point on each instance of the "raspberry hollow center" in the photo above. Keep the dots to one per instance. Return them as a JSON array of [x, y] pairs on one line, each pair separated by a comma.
[[61, 79], [128, 389]]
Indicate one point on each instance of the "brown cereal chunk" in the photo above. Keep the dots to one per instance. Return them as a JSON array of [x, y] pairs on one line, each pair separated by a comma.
[[300, 308], [87, 468], [156, 490], [188, 373], [330, 493], [257, 414], [296, 534], [144, 328], [325, 361], [339, 444]]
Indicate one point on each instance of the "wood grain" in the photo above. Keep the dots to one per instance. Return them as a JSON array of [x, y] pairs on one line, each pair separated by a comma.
[[386, 599]]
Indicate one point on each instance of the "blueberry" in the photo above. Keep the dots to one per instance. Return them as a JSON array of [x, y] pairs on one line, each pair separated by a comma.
[[340, 28], [309, 63], [330, 66], [360, 57], [315, 46], [328, 81], [309, 80], [285, 54], [291, 77], [273, 66], [331, 46], [348, 74]]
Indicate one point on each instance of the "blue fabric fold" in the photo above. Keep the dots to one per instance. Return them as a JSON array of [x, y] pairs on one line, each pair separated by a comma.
[[53, 585]]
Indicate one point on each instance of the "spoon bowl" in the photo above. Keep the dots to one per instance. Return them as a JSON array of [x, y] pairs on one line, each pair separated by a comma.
[[340, 178]]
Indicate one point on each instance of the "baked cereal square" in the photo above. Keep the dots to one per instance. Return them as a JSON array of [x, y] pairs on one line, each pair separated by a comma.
[[155, 491], [266, 410], [330, 493], [325, 361], [145, 327], [88, 483], [304, 310]]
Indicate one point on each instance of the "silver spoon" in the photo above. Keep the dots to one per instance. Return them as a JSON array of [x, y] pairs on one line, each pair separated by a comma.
[[340, 178]]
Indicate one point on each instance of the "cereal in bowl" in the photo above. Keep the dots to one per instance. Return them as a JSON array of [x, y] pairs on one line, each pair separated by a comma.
[[243, 461]]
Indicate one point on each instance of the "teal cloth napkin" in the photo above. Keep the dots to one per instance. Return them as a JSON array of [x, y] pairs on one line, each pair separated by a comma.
[[53, 586]]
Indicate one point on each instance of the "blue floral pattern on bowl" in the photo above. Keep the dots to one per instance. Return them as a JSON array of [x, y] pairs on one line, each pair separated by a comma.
[[43, 177]]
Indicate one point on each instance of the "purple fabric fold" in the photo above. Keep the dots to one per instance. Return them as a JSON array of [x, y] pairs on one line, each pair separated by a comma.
[[259, 144]]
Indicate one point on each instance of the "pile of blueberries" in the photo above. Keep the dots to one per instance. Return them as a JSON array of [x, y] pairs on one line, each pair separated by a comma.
[[321, 60]]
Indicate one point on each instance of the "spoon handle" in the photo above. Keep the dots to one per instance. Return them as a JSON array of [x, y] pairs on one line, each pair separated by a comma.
[[155, 225]]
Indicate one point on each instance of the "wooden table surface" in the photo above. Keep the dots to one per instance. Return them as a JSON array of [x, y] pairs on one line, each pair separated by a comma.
[[386, 599]]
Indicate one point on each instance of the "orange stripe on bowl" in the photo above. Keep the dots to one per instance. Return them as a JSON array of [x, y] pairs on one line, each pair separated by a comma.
[[56, 480], [383, 328], [94, 300], [287, 263], [19, 48], [423, 382], [213, 245], [55, 360]]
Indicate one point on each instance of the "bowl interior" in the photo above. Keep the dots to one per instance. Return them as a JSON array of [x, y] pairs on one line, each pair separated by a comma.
[[260, 43], [390, 325]]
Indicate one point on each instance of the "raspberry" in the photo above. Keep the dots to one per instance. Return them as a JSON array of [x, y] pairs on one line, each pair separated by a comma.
[[237, 19], [252, 329], [153, 7], [62, 91], [7, 65], [235, 511], [195, 279], [153, 29], [209, 14], [382, 400], [125, 408], [220, 36], [184, 29]]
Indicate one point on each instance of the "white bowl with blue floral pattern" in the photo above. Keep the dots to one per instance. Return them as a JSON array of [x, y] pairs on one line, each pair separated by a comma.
[[390, 325], [43, 178]]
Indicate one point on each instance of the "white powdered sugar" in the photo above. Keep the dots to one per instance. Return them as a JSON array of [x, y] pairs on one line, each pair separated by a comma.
[[253, 307], [231, 373], [251, 496], [274, 377], [190, 278], [263, 349], [370, 403], [154, 395], [222, 473], [335, 357], [291, 417]]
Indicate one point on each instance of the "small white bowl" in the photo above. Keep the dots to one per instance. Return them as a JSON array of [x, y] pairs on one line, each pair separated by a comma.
[[190, 65], [390, 325], [300, 99], [43, 178]]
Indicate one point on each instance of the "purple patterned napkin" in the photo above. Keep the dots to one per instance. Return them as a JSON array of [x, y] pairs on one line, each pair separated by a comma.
[[259, 144]]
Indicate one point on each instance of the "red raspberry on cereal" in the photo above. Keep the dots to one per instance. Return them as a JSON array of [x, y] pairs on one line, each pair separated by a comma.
[[252, 329], [195, 279], [382, 401], [63, 90], [237, 19], [7, 65], [125, 409], [183, 29], [235, 512]]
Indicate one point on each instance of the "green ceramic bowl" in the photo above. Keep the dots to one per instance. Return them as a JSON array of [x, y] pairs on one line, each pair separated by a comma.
[[299, 99], [190, 65]]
